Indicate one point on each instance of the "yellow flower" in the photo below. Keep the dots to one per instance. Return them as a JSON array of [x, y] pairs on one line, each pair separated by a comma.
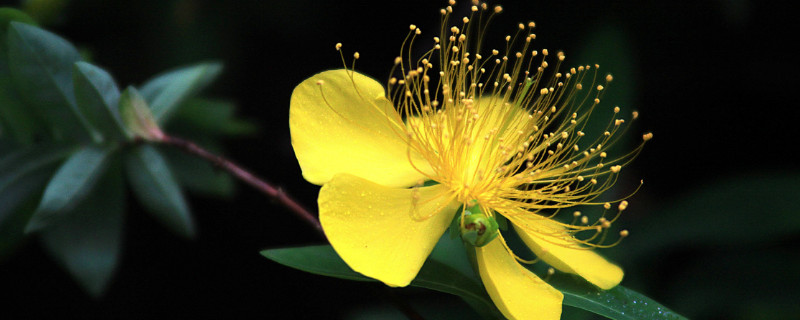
[[498, 131]]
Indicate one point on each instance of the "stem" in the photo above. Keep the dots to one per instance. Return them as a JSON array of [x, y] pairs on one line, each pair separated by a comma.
[[247, 177]]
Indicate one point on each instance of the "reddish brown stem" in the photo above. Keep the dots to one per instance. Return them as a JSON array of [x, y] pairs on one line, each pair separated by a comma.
[[247, 177]]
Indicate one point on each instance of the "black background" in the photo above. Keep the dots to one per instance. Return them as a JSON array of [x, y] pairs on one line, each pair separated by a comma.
[[715, 83]]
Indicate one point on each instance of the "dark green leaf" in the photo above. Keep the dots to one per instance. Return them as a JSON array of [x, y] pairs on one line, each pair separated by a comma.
[[722, 283], [618, 303], [154, 185], [97, 97], [17, 213], [211, 117], [87, 243], [23, 175], [610, 46], [717, 213], [16, 166], [16, 119], [434, 275], [70, 185], [41, 68], [197, 175], [447, 270], [166, 91], [10, 14]]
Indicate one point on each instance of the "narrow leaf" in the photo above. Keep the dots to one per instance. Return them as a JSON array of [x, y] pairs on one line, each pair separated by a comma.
[[156, 188], [618, 303], [40, 63], [446, 276], [69, 186], [97, 96], [434, 275], [166, 91], [87, 243]]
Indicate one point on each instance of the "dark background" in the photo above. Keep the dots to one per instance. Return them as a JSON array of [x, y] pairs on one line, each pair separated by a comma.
[[713, 80]]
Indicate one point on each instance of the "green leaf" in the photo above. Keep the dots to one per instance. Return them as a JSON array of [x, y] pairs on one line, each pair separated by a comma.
[[69, 185], [211, 117], [609, 45], [19, 211], [16, 119], [166, 91], [156, 188], [97, 96], [618, 303], [434, 275], [740, 210], [18, 166], [41, 68], [197, 175], [10, 14], [737, 275], [23, 175], [446, 271], [88, 242]]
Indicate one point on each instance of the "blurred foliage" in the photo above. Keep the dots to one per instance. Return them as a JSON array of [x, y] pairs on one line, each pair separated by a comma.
[[66, 148], [713, 233]]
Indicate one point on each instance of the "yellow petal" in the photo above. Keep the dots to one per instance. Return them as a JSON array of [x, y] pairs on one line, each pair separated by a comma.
[[346, 125], [551, 242], [517, 292], [373, 228]]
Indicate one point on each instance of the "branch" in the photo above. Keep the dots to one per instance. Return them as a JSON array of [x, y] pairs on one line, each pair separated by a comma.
[[245, 176]]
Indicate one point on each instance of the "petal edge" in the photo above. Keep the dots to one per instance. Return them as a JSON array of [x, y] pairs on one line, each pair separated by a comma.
[[516, 291], [346, 125], [371, 228]]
